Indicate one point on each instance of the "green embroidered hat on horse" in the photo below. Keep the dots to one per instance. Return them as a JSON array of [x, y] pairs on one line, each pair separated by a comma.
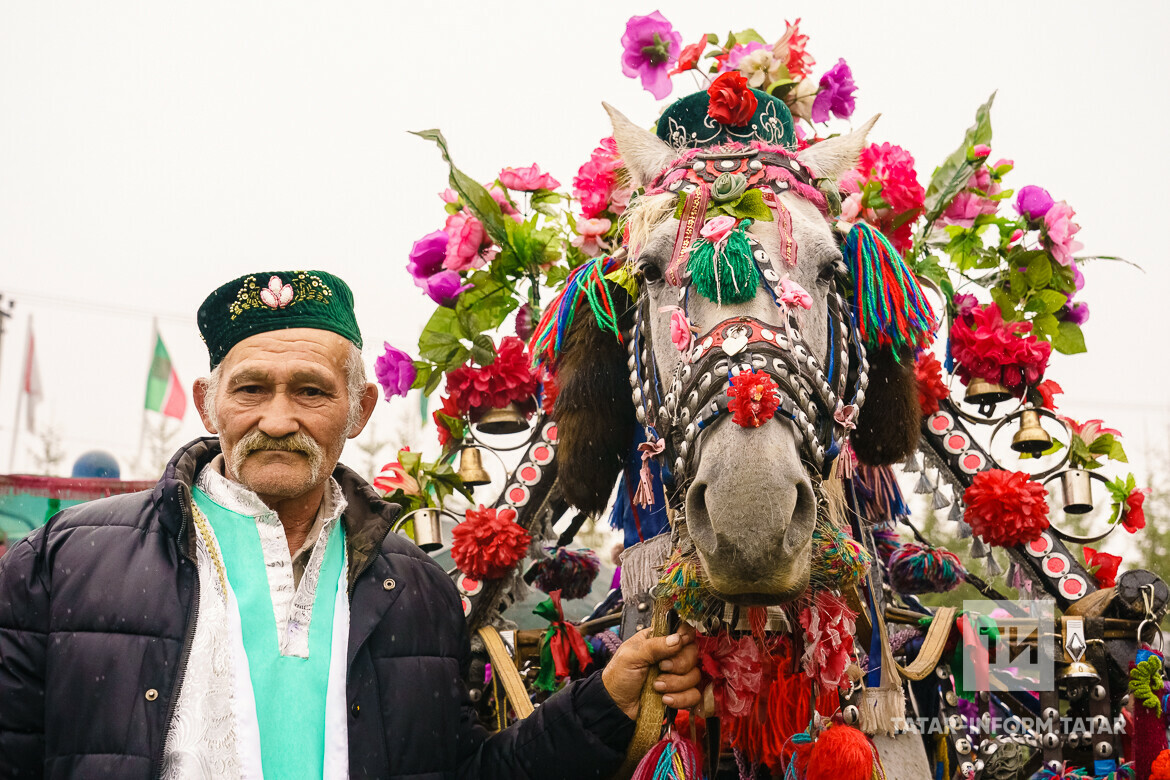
[[275, 300], [729, 110]]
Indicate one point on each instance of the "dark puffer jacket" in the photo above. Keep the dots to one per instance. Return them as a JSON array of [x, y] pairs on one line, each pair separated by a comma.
[[97, 615]]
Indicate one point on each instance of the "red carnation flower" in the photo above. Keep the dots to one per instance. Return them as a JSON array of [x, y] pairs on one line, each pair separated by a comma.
[[1106, 571], [688, 59], [931, 388], [1006, 508], [1134, 518], [732, 102], [507, 379], [488, 543], [753, 399]]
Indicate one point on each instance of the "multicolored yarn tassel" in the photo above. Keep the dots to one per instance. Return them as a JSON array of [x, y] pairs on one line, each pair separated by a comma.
[[682, 585], [915, 568], [881, 498], [838, 559], [586, 281], [674, 758], [725, 271], [572, 572], [888, 305]]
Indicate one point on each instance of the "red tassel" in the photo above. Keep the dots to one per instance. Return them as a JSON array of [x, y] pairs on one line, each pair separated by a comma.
[[841, 753]]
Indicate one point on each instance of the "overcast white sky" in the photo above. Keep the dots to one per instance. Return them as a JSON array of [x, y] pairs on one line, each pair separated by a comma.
[[151, 151]]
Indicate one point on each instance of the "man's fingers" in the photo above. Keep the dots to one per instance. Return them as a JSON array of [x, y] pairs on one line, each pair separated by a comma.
[[655, 649], [683, 701], [674, 683], [686, 660]]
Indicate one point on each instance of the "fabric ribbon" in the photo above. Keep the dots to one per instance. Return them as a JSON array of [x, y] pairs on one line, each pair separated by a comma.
[[644, 496], [560, 643]]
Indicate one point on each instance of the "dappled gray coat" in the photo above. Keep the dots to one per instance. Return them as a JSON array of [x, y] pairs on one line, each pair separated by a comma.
[[97, 613]]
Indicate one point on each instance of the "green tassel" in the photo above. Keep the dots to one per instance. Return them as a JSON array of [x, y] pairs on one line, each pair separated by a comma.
[[730, 278]]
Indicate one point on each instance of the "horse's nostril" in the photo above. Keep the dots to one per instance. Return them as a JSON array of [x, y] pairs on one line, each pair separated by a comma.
[[698, 518]]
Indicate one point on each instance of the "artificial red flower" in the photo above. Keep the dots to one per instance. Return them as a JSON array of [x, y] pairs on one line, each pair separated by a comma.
[[828, 625], [732, 101], [734, 668], [451, 409], [931, 388], [394, 476], [791, 47], [549, 389], [1048, 390], [1106, 566], [509, 378], [688, 59], [1006, 508], [1134, 518], [488, 543], [985, 346], [753, 399]]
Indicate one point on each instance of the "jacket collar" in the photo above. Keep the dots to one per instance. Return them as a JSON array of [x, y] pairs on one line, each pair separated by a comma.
[[368, 517]]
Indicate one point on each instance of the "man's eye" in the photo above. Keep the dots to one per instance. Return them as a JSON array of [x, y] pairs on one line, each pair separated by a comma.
[[248, 389], [312, 391]]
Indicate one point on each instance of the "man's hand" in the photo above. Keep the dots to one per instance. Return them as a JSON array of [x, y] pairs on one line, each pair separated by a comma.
[[677, 658]]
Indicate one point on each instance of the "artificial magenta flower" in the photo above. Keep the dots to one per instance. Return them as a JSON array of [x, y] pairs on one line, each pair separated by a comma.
[[445, 287], [596, 181], [734, 668], [1033, 202], [1006, 508], [985, 346], [931, 388], [1059, 230], [426, 256], [1077, 313], [790, 50], [730, 100], [754, 400], [527, 179], [591, 235], [1102, 565], [525, 322], [487, 544], [395, 371], [394, 477], [509, 378], [689, 58], [836, 94], [828, 626], [681, 334], [649, 47]]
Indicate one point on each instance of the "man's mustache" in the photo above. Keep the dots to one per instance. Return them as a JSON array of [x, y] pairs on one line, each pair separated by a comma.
[[258, 441]]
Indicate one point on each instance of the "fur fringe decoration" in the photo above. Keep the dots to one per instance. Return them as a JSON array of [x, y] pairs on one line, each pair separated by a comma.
[[889, 307], [586, 281], [641, 563], [673, 758], [572, 572], [725, 272], [881, 708], [838, 560], [915, 568]]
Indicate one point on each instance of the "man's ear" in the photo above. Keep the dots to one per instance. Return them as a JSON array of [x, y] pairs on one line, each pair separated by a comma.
[[369, 401], [199, 394]]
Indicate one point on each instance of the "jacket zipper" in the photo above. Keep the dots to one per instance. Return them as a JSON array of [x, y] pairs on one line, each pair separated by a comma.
[[185, 653]]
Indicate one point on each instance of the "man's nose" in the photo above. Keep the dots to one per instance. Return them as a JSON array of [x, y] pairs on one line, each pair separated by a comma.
[[279, 417]]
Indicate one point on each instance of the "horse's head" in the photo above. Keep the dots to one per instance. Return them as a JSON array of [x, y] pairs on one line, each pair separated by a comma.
[[748, 484]]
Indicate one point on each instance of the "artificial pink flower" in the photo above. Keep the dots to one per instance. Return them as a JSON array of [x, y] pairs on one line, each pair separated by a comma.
[[1090, 430], [828, 626], [735, 670], [980, 151], [715, 230], [449, 196], [974, 201], [591, 238], [792, 294], [502, 201], [466, 239], [527, 179], [1059, 230], [1017, 234], [892, 167], [394, 477], [681, 334], [596, 181]]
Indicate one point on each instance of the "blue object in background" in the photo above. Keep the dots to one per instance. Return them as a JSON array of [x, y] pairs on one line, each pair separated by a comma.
[[96, 464]]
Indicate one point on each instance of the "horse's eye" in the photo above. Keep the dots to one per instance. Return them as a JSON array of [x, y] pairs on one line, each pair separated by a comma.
[[650, 272]]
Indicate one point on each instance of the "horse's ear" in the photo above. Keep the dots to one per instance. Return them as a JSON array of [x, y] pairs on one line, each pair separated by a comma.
[[594, 411], [644, 154], [888, 426], [829, 159]]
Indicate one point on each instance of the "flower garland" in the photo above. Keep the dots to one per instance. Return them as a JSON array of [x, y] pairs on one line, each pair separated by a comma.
[[829, 625]]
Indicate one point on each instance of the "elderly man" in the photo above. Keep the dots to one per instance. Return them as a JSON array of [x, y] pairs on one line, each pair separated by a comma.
[[252, 616]]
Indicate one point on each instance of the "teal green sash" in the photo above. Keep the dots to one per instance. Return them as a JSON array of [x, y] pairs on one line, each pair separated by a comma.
[[289, 692]]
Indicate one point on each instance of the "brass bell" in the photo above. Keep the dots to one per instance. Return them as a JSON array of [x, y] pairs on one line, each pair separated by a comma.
[[502, 421], [1031, 438], [985, 394], [471, 469], [1079, 673], [427, 532]]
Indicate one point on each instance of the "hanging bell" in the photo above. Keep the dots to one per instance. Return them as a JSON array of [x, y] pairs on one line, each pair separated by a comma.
[[1079, 673], [426, 530], [1076, 487], [471, 469], [985, 394], [1031, 438], [501, 421]]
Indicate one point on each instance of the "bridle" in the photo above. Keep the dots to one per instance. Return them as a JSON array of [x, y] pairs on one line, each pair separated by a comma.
[[821, 401]]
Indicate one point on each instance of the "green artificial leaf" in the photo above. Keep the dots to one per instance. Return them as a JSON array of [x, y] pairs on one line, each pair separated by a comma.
[[749, 36], [1069, 339], [1046, 325], [545, 201], [422, 373], [1063, 279], [750, 205], [410, 461], [1116, 451], [781, 86], [712, 39], [1046, 302], [1006, 303], [483, 351], [1039, 269], [1080, 456], [555, 276], [486, 306], [433, 381], [440, 340], [477, 199], [950, 177], [454, 424]]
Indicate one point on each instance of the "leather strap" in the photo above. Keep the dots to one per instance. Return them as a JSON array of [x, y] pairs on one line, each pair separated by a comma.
[[504, 668], [932, 647]]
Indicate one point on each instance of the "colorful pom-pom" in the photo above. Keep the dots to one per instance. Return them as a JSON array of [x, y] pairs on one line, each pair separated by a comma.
[[673, 758], [838, 559], [915, 568], [841, 753], [570, 571], [1161, 768]]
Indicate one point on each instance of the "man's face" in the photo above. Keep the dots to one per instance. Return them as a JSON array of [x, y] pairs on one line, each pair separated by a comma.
[[281, 410]]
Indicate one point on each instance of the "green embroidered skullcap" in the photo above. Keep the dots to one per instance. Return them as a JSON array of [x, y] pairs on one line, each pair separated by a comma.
[[686, 123], [276, 300]]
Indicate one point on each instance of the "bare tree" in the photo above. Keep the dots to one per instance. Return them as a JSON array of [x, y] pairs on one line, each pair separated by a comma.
[[48, 454]]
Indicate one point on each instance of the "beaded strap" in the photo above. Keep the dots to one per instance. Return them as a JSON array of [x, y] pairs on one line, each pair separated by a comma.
[[203, 527]]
